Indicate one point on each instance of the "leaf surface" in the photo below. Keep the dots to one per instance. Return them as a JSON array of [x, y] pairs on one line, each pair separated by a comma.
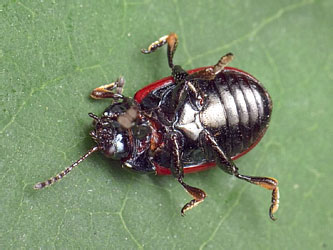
[[53, 53]]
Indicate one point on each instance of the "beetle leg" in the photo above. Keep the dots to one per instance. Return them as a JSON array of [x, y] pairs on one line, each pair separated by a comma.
[[219, 66], [210, 73], [227, 165], [112, 90], [178, 73], [127, 119], [199, 195], [155, 45], [171, 40]]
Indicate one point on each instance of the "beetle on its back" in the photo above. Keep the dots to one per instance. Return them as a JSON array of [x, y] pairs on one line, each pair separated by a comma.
[[184, 123]]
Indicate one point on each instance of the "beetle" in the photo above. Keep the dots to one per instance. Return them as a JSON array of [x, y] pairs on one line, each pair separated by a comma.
[[188, 122]]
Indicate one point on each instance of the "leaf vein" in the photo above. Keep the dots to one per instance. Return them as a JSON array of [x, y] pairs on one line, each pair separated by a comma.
[[266, 21]]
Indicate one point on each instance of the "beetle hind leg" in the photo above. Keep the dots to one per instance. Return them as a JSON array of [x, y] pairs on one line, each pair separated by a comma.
[[227, 165], [112, 90], [268, 183]]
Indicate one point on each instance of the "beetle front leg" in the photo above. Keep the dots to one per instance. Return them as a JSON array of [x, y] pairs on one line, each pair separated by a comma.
[[227, 165], [112, 90], [171, 40], [174, 141]]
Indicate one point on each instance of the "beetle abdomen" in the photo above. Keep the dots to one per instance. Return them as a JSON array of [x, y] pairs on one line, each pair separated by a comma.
[[237, 111]]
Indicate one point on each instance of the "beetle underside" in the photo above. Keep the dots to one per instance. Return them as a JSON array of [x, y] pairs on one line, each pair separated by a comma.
[[220, 112]]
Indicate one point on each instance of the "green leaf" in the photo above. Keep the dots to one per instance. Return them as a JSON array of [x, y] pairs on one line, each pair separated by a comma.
[[53, 53]]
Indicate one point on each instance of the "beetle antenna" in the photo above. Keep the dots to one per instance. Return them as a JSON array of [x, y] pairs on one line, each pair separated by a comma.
[[59, 176], [95, 117]]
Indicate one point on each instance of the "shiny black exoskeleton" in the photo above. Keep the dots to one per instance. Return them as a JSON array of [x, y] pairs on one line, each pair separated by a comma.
[[235, 110], [184, 123]]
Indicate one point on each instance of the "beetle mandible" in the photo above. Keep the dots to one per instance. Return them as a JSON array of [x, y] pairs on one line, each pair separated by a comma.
[[184, 123]]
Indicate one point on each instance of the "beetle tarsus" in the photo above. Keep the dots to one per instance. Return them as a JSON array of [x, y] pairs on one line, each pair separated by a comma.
[[112, 90], [155, 45], [267, 183], [171, 40], [220, 65], [211, 72], [275, 203], [198, 195]]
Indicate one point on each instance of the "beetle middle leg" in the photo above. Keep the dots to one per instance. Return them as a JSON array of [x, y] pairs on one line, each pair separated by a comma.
[[210, 73], [112, 90], [220, 65], [174, 144], [227, 165]]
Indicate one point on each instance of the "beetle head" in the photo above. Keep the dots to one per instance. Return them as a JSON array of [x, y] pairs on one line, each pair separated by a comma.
[[111, 138]]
